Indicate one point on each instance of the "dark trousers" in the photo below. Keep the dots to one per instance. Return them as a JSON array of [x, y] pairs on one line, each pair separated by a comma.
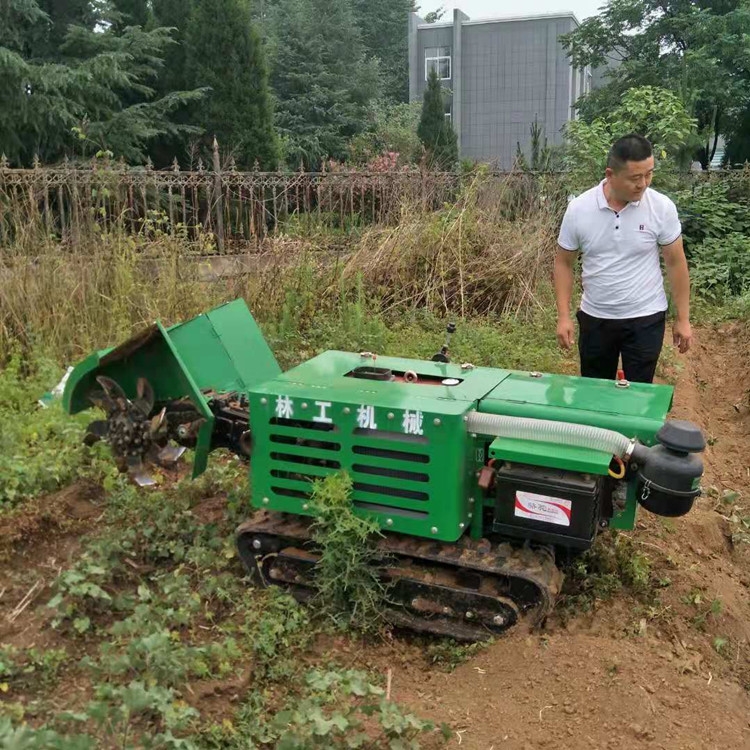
[[639, 340]]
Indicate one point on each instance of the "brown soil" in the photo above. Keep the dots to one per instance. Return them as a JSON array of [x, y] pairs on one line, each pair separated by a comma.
[[628, 675]]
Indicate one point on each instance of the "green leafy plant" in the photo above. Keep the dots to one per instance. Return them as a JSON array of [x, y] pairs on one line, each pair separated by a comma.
[[138, 715], [336, 709], [721, 267], [23, 666], [611, 565], [656, 113], [347, 575]]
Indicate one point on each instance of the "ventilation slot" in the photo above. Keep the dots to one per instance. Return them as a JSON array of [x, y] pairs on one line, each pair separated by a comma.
[[391, 491], [324, 463], [303, 424], [295, 475], [395, 437], [413, 476], [363, 450], [286, 492], [322, 445], [390, 510]]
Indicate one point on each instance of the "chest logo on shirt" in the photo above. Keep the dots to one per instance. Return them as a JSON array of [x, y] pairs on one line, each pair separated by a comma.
[[642, 228]]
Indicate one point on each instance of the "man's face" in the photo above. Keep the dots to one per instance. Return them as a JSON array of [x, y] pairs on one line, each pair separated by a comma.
[[629, 183]]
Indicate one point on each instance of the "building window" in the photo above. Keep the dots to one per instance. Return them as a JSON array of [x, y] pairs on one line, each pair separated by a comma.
[[439, 60], [449, 113]]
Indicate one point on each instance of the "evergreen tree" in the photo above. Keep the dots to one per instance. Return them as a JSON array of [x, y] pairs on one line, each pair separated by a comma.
[[321, 78], [435, 131], [46, 40], [132, 12], [383, 25], [80, 104], [224, 53]]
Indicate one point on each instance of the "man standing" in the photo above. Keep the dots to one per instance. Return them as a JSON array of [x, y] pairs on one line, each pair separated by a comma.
[[619, 227]]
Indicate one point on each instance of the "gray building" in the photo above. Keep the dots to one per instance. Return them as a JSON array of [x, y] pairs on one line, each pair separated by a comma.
[[502, 74]]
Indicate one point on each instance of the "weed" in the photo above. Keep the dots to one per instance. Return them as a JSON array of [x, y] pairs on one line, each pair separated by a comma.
[[612, 564], [278, 630], [720, 645], [347, 575], [447, 654], [336, 709], [30, 738], [41, 449], [18, 668], [138, 715], [705, 610]]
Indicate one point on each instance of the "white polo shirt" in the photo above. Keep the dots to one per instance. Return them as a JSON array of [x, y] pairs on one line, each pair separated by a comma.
[[620, 251]]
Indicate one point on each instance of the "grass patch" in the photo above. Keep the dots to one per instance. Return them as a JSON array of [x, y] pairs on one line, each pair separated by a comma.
[[613, 564]]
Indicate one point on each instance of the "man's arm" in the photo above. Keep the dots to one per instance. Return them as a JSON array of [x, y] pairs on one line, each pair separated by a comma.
[[564, 265], [679, 282]]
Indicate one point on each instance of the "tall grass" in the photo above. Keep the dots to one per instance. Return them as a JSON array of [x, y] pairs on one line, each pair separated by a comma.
[[486, 254]]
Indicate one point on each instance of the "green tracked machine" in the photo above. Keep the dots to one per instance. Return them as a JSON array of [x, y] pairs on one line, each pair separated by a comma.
[[480, 478]]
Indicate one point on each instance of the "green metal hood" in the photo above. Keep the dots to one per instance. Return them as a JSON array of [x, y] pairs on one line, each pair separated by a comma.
[[636, 411]]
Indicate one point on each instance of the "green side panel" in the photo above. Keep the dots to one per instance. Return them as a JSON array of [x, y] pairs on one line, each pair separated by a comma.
[[224, 350], [637, 411], [552, 455], [405, 445]]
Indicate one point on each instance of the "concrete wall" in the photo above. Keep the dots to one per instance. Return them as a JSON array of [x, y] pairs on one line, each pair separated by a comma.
[[509, 72]]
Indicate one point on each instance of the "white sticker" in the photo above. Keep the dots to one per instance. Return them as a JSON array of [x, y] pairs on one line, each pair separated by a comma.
[[543, 508]]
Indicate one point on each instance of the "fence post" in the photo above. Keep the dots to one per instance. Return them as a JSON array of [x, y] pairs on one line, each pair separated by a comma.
[[219, 203]]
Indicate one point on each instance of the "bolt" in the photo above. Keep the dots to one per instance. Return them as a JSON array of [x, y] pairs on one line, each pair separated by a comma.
[[446, 610], [498, 620], [434, 530], [471, 501], [436, 422], [466, 419], [257, 544], [390, 415], [471, 515], [347, 410], [469, 615], [389, 521], [603, 523], [414, 603], [462, 526], [304, 405], [305, 506], [474, 435], [264, 401], [266, 501]]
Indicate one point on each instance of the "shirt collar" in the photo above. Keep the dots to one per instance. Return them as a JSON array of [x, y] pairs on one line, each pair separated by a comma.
[[601, 200]]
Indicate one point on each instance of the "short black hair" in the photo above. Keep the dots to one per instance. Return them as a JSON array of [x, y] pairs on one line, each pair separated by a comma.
[[631, 147]]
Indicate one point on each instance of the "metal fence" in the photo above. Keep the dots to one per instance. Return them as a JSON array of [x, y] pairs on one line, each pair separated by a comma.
[[236, 207]]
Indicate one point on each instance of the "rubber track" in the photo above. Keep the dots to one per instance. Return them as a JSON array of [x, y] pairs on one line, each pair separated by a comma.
[[519, 567]]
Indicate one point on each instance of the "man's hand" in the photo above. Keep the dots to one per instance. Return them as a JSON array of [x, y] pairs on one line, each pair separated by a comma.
[[682, 335], [565, 332]]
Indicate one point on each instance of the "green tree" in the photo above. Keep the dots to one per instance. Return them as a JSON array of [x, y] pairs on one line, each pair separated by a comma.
[[83, 102], [700, 50], [132, 12], [383, 25], [321, 77], [738, 145], [435, 131], [224, 52], [392, 129], [654, 113]]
